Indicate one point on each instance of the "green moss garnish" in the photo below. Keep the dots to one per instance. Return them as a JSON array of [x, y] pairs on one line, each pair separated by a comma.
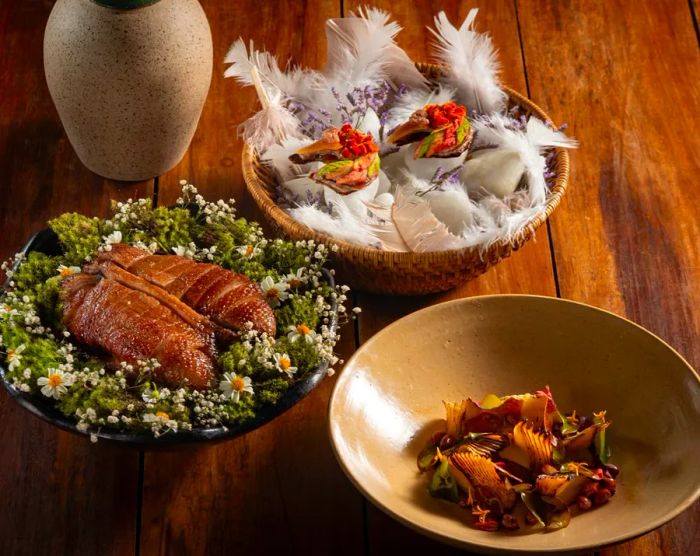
[[79, 235], [300, 309]]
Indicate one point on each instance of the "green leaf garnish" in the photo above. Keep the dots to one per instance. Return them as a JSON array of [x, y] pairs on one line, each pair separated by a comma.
[[600, 442], [373, 169], [425, 144], [559, 520], [462, 131], [337, 168], [427, 458], [443, 484], [533, 503]]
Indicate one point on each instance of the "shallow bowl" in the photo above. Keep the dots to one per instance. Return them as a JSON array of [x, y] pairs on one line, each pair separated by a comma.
[[388, 401]]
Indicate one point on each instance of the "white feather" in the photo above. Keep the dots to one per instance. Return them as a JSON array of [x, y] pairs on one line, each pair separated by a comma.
[[341, 224], [292, 83], [355, 201], [270, 125], [419, 227], [471, 62], [362, 51], [277, 155], [452, 207]]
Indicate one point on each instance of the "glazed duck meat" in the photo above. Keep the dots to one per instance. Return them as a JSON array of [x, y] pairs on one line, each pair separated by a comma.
[[130, 325], [131, 306], [227, 298]]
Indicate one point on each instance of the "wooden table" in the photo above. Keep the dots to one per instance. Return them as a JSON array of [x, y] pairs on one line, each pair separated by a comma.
[[625, 76]]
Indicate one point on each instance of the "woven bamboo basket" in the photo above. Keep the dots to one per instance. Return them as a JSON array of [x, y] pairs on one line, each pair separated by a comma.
[[372, 270]]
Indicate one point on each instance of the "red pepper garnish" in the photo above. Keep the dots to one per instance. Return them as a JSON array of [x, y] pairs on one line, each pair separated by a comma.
[[440, 115], [355, 143]]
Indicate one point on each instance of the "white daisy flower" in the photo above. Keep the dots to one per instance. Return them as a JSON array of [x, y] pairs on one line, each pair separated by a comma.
[[64, 270], [301, 331], [55, 384], [274, 291], [248, 251], [114, 237], [284, 364], [234, 385], [14, 358], [296, 280]]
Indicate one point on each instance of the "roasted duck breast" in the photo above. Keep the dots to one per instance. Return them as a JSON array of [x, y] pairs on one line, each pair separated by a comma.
[[227, 298], [131, 325]]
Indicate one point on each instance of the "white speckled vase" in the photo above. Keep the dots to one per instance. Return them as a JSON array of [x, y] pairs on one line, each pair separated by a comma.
[[129, 79]]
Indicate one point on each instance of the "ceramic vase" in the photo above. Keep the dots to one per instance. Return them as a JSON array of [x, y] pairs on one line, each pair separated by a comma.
[[129, 79]]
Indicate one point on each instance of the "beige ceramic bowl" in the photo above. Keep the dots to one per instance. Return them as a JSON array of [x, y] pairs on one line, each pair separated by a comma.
[[388, 401]]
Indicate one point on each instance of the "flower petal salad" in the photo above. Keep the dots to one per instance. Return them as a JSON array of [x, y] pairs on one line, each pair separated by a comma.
[[69, 322], [517, 462]]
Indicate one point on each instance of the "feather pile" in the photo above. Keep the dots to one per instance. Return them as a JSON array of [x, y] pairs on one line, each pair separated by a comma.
[[485, 194]]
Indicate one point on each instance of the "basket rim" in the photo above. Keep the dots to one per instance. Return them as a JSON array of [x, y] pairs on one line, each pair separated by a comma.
[[295, 229]]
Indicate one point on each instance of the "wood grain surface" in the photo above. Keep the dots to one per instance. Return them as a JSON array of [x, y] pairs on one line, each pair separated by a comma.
[[624, 75], [53, 485], [634, 251]]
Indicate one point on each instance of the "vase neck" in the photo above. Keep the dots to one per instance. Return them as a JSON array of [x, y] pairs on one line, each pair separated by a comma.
[[125, 4]]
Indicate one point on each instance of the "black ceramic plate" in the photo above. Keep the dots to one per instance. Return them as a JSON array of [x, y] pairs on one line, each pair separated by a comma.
[[46, 242]]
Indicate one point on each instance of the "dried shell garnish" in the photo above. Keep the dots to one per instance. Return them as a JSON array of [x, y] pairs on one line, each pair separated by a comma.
[[485, 445], [483, 476], [538, 446], [549, 484]]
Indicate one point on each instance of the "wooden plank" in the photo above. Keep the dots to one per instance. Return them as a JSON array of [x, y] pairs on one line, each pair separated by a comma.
[[278, 488], [527, 271], [625, 77], [53, 484]]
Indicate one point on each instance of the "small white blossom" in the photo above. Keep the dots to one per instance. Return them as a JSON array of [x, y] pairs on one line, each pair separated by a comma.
[[55, 384], [184, 251], [284, 364], [275, 292], [234, 385], [114, 237]]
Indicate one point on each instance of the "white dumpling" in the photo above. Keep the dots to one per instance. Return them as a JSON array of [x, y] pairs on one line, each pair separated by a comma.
[[496, 171]]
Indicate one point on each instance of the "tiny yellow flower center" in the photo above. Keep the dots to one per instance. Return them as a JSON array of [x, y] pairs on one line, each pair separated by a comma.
[[163, 414], [66, 272], [11, 354], [55, 380], [238, 384], [285, 363], [273, 293], [294, 283], [7, 308], [303, 329], [249, 251]]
